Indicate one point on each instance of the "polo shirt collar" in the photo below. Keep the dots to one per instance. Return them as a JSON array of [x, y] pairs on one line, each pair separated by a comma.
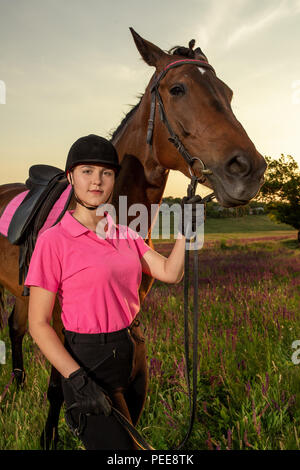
[[75, 228]]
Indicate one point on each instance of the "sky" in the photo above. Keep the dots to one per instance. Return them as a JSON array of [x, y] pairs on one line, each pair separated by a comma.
[[69, 68]]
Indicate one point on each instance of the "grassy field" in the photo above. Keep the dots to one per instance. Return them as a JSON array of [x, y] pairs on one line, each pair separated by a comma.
[[246, 224], [249, 227], [248, 385]]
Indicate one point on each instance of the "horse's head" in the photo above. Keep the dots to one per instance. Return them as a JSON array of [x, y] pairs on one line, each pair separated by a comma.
[[198, 109]]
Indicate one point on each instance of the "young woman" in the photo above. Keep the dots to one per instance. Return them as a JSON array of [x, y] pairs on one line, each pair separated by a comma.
[[96, 275]]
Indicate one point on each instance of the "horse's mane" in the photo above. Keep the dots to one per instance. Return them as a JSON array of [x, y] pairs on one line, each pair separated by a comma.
[[127, 116], [176, 50]]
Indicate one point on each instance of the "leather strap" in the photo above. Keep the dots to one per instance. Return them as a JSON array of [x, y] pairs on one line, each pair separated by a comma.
[[139, 440], [155, 95]]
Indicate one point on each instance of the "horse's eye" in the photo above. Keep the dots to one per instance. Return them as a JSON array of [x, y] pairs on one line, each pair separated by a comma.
[[177, 90]]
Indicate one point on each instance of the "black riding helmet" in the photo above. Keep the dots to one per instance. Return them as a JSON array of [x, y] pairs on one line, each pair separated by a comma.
[[92, 149]]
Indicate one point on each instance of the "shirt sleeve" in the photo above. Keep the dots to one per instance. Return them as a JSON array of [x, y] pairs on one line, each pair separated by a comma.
[[139, 243], [44, 267], [141, 246]]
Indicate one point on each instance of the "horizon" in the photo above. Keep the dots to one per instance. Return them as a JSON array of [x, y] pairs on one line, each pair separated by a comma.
[[57, 85]]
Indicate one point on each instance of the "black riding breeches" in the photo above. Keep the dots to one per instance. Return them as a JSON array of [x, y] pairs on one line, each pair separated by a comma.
[[111, 360]]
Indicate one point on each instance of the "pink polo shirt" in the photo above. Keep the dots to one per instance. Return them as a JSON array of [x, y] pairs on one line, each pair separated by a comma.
[[97, 280]]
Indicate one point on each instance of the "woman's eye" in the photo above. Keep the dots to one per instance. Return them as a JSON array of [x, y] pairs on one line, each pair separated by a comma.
[[105, 172], [177, 90]]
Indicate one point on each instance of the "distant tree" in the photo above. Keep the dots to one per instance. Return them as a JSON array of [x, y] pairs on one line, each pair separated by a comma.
[[281, 191]]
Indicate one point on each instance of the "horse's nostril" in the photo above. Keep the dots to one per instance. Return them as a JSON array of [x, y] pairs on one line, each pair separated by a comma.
[[238, 165]]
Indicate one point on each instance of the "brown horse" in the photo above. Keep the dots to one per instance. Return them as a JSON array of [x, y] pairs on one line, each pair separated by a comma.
[[197, 104]]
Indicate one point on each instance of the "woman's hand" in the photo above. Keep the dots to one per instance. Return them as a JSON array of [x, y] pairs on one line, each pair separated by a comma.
[[171, 269], [90, 397], [191, 217]]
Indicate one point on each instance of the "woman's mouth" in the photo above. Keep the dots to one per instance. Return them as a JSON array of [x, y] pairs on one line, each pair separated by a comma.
[[96, 192]]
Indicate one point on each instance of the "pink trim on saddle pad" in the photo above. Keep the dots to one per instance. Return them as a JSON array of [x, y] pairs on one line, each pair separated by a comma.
[[12, 206], [9, 211]]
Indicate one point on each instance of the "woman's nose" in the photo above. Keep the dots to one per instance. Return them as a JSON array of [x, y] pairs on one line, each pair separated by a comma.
[[98, 178]]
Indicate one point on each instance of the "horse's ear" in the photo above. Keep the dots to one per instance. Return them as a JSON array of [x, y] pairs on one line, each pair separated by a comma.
[[199, 53], [151, 54]]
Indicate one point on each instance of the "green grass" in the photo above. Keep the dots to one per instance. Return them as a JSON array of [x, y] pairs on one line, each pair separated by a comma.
[[246, 224], [248, 387]]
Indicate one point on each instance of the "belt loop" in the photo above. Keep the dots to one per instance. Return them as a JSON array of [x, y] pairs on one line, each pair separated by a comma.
[[73, 338], [102, 338], [135, 322]]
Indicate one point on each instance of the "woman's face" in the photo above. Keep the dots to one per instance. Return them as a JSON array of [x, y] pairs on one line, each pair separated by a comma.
[[88, 178]]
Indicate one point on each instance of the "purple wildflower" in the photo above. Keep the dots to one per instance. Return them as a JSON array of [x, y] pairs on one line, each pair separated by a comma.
[[229, 442]]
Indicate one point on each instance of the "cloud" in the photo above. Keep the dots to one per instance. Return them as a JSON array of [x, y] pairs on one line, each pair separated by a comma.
[[284, 9], [217, 18]]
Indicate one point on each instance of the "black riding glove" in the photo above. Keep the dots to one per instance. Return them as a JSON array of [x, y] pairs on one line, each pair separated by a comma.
[[189, 221], [90, 397]]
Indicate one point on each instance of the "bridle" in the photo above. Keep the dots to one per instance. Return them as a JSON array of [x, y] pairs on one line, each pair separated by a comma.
[[155, 95]]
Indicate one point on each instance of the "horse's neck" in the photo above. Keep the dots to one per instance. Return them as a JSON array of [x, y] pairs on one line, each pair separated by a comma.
[[142, 179]]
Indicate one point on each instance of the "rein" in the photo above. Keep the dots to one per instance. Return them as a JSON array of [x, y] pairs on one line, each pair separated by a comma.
[[175, 140], [138, 439], [193, 405]]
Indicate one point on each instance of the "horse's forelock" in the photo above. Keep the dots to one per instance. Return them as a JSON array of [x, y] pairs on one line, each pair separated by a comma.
[[188, 52]]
